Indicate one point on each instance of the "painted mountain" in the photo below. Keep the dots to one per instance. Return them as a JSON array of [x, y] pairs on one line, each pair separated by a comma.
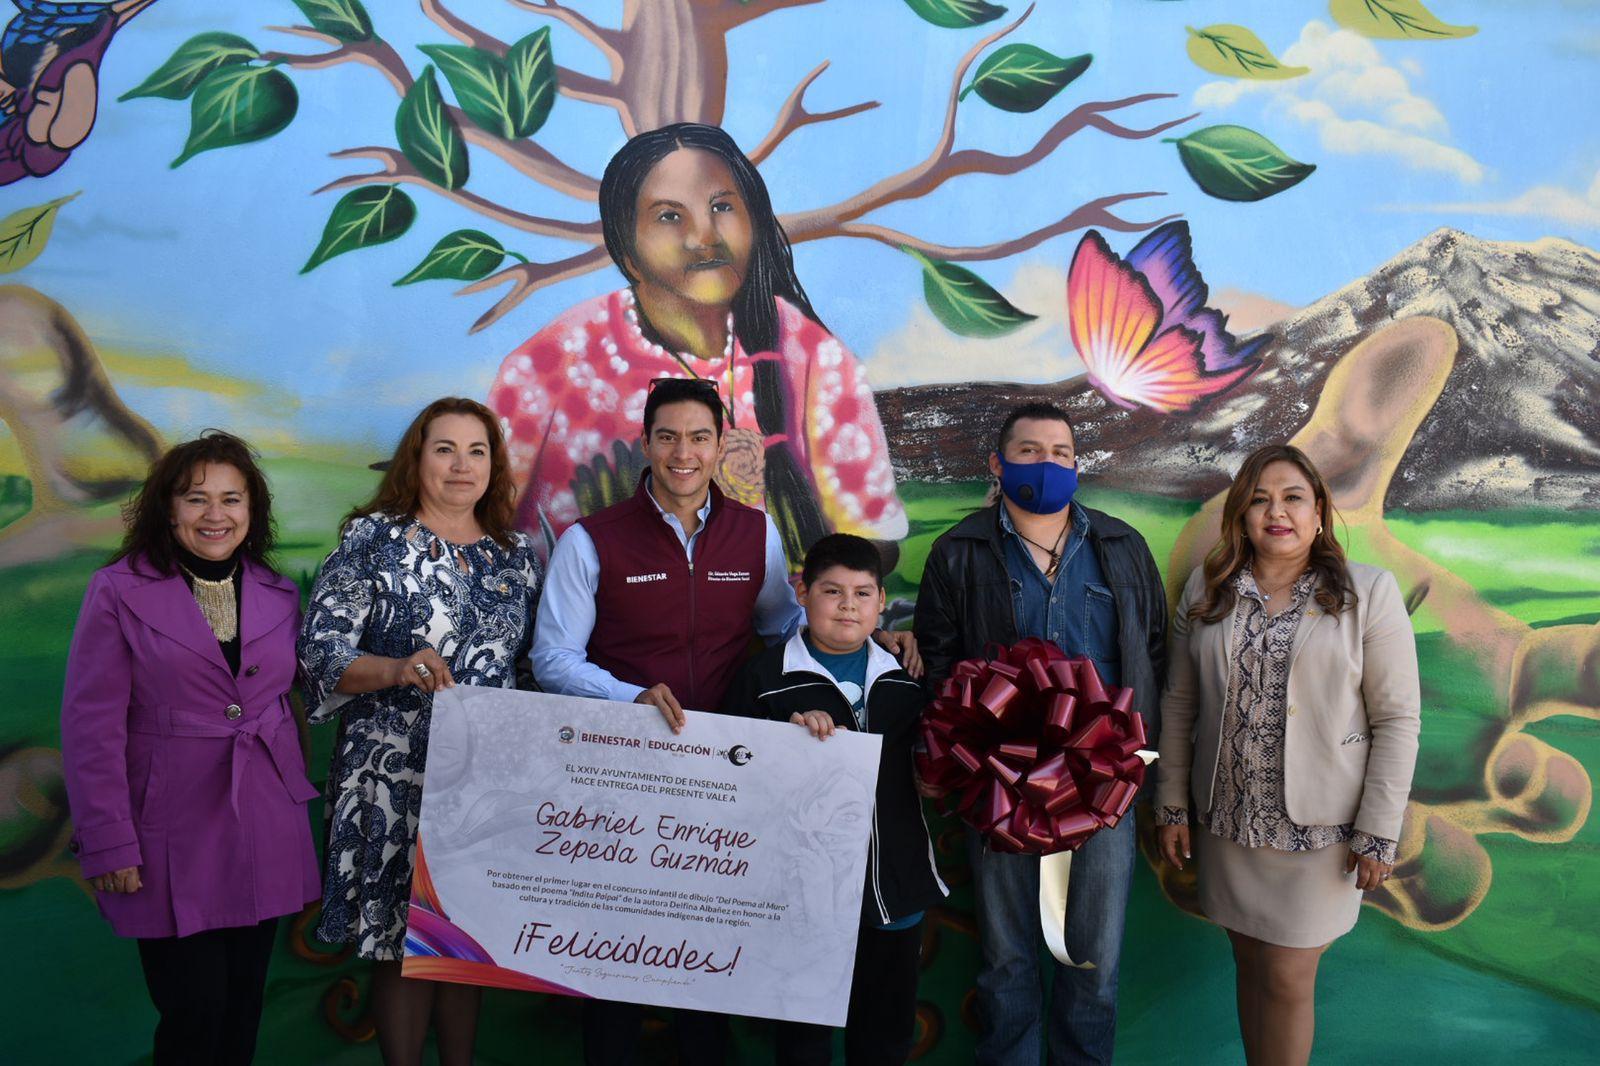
[[1518, 424]]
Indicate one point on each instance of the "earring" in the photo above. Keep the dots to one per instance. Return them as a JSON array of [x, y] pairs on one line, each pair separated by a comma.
[[1319, 529]]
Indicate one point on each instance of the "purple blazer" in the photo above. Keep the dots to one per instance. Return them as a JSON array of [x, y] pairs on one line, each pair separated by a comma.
[[180, 768]]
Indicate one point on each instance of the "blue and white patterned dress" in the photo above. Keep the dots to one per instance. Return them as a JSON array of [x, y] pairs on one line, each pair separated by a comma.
[[391, 587]]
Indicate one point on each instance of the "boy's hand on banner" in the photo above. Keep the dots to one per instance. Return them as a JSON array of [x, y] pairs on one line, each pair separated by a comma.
[[820, 723]]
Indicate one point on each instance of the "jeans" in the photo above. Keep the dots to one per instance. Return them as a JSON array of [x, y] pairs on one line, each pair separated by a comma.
[[1083, 1002]]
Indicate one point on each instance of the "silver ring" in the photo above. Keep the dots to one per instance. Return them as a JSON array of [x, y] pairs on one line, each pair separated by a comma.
[[421, 668]]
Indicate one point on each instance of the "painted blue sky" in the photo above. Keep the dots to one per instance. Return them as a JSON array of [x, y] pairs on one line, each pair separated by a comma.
[[1485, 134]]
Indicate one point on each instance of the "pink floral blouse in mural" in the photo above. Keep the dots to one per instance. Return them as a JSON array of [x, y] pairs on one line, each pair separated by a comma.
[[571, 400]]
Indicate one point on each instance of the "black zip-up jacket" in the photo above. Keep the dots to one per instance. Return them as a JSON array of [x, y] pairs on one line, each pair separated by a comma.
[[964, 604], [783, 680]]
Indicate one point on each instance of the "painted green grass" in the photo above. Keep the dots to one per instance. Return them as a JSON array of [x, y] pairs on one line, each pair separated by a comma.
[[1539, 566]]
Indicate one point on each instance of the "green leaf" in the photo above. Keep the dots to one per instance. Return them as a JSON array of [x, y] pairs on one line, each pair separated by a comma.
[[964, 302], [1235, 52], [23, 234], [1021, 77], [465, 255], [195, 58], [1394, 20], [428, 135], [481, 84], [533, 81], [237, 105], [956, 14], [1234, 163], [344, 19], [372, 215]]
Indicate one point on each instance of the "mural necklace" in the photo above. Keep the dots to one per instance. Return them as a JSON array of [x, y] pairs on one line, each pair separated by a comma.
[[727, 357], [648, 331]]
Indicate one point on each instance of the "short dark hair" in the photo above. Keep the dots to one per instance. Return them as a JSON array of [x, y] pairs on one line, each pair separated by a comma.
[[1036, 409], [147, 517], [846, 550], [677, 390]]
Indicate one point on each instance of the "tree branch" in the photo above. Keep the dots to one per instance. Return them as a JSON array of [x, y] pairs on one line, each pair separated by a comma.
[[608, 41], [461, 29], [528, 278], [793, 115], [1094, 213], [737, 14], [943, 163], [921, 180], [396, 168], [526, 157], [593, 90], [375, 53]]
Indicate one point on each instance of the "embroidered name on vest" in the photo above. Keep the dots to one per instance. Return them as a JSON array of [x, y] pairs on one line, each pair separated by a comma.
[[639, 579], [727, 575]]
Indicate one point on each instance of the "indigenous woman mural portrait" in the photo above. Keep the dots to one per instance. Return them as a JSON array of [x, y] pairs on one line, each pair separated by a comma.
[[712, 295]]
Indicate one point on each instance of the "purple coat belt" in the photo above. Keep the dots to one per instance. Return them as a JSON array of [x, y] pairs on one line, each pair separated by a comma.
[[178, 766]]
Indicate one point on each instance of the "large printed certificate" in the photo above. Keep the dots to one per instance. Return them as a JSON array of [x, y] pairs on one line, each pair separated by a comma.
[[577, 846]]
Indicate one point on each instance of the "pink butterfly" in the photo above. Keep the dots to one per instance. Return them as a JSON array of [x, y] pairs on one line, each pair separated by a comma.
[[1142, 328]]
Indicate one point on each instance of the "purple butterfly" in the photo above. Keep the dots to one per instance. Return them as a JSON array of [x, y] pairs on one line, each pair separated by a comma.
[[1142, 327]]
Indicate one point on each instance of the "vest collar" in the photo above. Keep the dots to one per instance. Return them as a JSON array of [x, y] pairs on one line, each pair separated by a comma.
[[713, 502]]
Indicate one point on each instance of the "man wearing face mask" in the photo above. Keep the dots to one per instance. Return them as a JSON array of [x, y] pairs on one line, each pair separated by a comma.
[[1035, 564]]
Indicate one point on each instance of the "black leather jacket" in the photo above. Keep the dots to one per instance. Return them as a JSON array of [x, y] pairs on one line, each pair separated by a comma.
[[964, 604]]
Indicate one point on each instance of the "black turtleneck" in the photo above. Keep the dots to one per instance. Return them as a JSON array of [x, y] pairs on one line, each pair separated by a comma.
[[192, 566]]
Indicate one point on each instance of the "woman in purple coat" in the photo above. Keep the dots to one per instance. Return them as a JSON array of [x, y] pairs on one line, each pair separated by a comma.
[[184, 772]]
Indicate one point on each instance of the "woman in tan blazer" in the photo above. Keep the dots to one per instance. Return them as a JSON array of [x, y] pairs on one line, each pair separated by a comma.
[[1289, 733]]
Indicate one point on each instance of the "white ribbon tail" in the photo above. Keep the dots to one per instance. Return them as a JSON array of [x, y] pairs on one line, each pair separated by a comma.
[[1055, 874]]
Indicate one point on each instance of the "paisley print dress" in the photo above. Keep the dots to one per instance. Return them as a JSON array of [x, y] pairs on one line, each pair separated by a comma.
[[391, 587]]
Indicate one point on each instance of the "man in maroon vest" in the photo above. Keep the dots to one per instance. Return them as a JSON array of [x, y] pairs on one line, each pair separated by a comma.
[[655, 600]]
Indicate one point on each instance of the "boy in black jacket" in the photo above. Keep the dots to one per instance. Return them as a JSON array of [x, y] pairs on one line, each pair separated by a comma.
[[831, 676]]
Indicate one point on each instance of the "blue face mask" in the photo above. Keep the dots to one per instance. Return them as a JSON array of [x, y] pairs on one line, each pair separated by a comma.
[[1043, 487]]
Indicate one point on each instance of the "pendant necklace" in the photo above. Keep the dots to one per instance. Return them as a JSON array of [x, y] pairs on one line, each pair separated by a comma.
[[1054, 553]]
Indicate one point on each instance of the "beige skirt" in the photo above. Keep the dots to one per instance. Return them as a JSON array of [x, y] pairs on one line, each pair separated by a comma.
[[1295, 899]]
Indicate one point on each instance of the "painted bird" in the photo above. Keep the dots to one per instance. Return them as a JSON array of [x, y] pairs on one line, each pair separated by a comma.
[[1142, 328], [50, 80]]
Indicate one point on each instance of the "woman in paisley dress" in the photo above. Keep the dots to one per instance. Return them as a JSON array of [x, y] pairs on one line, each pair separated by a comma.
[[1289, 728], [712, 293], [430, 586]]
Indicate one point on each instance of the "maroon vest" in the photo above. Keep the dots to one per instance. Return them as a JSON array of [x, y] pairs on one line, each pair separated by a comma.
[[659, 618]]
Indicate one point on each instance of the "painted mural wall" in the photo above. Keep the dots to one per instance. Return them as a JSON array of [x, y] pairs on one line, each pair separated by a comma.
[[1364, 226]]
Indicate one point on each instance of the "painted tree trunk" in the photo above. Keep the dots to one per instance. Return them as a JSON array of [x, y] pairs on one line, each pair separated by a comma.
[[675, 63]]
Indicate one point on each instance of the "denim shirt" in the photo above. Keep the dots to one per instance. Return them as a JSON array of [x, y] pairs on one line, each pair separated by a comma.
[[1077, 612]]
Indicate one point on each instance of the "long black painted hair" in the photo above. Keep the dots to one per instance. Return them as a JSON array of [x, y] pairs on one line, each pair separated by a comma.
[[770, 274]]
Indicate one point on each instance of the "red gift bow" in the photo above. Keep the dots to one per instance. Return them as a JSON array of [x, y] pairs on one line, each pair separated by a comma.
[[1032, 749]]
